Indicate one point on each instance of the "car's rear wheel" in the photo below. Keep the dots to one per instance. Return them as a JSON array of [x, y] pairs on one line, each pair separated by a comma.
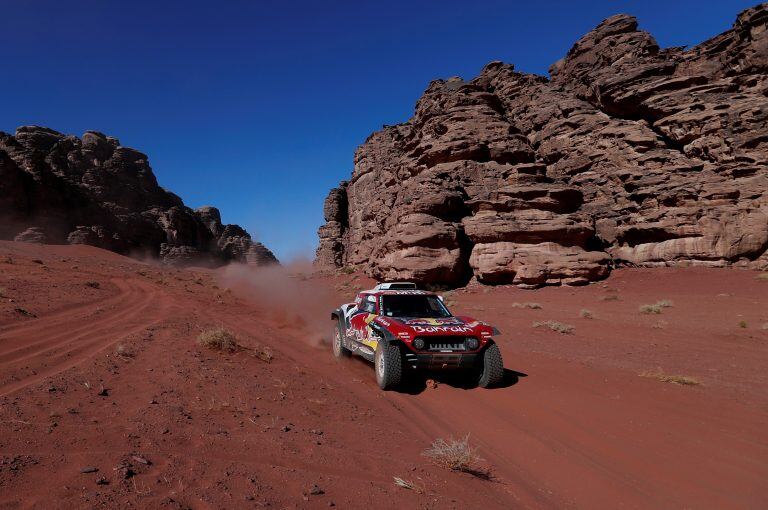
[[389, 365], [492, 372], [338, 344]]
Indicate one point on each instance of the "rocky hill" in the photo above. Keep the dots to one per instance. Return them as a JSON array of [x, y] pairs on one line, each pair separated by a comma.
[[627, 154], [62, 189]]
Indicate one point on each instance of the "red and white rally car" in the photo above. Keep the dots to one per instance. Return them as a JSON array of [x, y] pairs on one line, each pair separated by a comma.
[[397, 326]]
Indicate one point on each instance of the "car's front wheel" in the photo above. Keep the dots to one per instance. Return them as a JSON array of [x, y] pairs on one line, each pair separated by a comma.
[[339, 350], [389, 365], [492, 373]]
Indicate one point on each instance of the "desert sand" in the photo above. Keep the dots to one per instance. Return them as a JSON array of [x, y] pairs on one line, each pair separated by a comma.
[[107, 400]]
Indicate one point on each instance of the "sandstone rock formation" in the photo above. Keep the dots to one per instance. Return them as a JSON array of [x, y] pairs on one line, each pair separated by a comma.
[[61, 189], [628, 154]]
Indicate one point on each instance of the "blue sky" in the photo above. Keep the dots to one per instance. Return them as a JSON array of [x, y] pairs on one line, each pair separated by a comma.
[[256, 107]]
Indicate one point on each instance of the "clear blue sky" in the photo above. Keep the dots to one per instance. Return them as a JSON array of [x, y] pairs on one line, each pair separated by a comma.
[[256, 107]]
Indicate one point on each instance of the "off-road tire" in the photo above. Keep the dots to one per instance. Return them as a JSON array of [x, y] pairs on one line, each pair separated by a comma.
[[388, 364], [338, 345], [492, 372]]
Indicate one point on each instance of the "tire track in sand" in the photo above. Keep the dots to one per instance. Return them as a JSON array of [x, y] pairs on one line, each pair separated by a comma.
[[47, 346]]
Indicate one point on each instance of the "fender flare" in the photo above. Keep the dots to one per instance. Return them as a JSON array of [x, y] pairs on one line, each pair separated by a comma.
[[338, 316], [387, 338]]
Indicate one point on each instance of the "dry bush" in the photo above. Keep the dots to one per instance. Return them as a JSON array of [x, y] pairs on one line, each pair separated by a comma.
[[565, 329], [743, 324], [218, 339], [682, 380], [763, 277], [656, 308], [123, 352], [585, 314], [610, 297], [649, 309], [264, 354], [456, 455], [532, 306]]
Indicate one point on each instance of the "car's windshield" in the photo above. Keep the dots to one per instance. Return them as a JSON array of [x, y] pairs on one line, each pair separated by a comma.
[[413, 306]]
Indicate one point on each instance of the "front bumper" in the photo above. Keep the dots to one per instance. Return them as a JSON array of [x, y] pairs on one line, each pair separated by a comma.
[[443, 360]]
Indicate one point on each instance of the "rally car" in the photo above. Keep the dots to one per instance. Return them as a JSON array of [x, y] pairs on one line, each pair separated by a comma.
[[396, 326]]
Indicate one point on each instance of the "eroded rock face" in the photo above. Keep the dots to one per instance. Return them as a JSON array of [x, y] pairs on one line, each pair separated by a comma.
[[60, 189], [629, 154]]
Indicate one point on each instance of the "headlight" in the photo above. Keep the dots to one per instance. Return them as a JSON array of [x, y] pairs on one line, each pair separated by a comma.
[[472, 343], [419, 343]]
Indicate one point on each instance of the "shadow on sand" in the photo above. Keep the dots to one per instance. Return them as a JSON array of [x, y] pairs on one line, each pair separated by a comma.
[[416, 382]]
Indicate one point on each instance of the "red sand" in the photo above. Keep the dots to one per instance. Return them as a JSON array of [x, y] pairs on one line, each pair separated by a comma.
[[581, 429]]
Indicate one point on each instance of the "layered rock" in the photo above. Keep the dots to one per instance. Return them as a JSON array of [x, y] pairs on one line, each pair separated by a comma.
[[61, 189], [628, 154]]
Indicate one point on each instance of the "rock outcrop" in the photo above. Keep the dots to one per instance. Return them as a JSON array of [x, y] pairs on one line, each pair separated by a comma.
[[61, 189], [627, 154]]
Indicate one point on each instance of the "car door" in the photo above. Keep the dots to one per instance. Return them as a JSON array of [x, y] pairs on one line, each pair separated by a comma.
[[360, 322]]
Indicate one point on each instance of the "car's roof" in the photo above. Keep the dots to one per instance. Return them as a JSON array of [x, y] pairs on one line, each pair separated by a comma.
[[398, 292]]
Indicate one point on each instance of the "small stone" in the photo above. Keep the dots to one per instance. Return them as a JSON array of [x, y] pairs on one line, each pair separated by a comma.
[[316, 491], [89, 469], [102, 481], [141, 460]]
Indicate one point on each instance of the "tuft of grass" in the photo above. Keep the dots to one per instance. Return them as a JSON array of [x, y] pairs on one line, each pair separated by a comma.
[[650, 309], [559, 327], [218, 339], [456, 455], [123, 352], [743, 324], [531, 306], [610, 297], [585, 314], [656, 308], [763, 277], [682, 380]]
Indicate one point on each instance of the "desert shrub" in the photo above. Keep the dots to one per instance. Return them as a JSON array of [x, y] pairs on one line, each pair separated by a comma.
[[123, 351], [585, 314], [532, 306], [218, 339], [657, 307], [565, 329], [347, 270], [763, 277], [743, 324], [610, 297], [456, 455], [649, 309], [683, 380]]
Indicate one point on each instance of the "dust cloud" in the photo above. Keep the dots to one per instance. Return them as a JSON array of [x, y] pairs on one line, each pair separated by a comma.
[[291, 294]]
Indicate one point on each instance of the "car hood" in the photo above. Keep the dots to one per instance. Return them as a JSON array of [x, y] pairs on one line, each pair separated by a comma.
[[447, 326]]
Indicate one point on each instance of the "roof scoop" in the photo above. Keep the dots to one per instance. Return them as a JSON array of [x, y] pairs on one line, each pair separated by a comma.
[[396, 286]]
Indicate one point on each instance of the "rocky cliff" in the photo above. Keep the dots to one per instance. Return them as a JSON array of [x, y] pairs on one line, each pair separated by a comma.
[[627, 154], [91, 190]]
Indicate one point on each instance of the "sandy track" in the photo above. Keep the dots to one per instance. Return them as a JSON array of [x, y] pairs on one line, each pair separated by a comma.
[[33, 351]]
